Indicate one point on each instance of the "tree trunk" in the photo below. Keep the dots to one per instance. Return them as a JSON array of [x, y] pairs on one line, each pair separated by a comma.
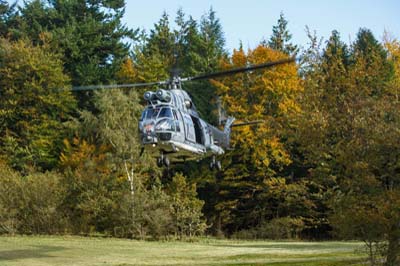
[[393, 254], [130, 175]]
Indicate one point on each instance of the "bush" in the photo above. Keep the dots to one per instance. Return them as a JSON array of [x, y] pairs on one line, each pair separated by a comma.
[[30, 204], [283, 228], [279, 228], [186, 208], [9, 200], [42, 197]]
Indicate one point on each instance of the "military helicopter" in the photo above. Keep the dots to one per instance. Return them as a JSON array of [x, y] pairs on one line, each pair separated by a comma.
[[170, 127]]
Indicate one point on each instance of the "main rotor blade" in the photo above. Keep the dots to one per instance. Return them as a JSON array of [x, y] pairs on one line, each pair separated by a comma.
[[241, 69], [199, 77], [115, 86]]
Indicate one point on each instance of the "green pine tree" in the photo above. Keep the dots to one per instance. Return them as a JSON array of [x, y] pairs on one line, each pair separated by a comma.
[[280, 39], [7, 16], [88, 35]]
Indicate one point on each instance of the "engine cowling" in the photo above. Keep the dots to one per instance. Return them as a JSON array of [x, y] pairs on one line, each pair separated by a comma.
[[149, 95], [163, 95]]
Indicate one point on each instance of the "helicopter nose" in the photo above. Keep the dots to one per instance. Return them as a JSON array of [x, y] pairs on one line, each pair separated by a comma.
[[147, 134], [149, 128], [151, 139]]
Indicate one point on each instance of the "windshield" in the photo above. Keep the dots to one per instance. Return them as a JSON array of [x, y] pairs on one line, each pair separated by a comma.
[[150, 113], [165, 112]]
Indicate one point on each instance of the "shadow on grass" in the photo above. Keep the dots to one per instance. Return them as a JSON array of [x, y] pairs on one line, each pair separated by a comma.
[[277, 246], [354, 262], [307, 263], [32, 253]]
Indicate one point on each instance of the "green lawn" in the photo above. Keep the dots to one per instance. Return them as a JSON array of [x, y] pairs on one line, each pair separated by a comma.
[[71, 250]]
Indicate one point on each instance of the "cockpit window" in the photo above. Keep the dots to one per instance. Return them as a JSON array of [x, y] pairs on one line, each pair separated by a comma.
[[165, 112], [149, 113], [152, 113]]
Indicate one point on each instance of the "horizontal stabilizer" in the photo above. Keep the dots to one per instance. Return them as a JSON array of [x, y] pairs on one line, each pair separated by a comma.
[[247, 123]]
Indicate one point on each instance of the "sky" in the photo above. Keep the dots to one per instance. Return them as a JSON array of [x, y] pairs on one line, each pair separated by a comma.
[[251, 21]]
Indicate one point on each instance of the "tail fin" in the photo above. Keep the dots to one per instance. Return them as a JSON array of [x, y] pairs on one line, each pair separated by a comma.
[[227, 129], [222, 117]]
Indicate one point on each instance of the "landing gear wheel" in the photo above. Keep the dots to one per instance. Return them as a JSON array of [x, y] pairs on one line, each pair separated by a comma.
[[218, 165], [211, 165], [214, 164], [166, 161], [160, 162]]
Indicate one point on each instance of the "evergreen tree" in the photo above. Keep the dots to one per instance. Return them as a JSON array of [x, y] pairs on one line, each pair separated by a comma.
[[88, 34], [336, 50], [7, 16], [370, 62], [280, 39], [211, 50], [161, 43], [188, 44], [348, 135], [213, 40]]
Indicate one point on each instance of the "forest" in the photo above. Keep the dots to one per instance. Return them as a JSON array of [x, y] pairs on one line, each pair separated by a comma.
[[324, 165]]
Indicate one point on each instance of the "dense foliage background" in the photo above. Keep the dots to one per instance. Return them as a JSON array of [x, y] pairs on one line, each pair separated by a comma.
[[325, 164]]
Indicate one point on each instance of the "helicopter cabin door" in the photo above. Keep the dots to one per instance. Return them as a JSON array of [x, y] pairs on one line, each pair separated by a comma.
[[190, 133], [198, 130]]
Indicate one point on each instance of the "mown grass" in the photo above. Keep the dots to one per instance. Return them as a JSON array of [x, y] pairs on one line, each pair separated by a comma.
[[81, 251]]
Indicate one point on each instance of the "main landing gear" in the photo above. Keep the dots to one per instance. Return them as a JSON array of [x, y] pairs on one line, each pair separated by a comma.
[[163, 161], [214, 164]]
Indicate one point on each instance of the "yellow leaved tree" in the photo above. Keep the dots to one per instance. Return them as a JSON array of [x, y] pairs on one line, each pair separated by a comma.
[[268, 95], [259, 151], [392, 46]]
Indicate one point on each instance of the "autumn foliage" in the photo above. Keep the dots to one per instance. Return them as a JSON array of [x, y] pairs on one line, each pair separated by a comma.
[[322, 163], [267, 95]]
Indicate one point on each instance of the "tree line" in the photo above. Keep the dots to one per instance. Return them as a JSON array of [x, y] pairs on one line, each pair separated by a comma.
[[323, 165]]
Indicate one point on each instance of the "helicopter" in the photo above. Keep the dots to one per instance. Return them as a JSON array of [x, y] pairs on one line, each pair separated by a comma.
[[170, 127]]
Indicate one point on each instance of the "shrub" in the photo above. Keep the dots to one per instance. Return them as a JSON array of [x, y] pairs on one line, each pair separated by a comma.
[[30, 204], [278, 228]]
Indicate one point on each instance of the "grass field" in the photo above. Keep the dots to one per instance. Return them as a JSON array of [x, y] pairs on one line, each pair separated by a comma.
[[80, 251]]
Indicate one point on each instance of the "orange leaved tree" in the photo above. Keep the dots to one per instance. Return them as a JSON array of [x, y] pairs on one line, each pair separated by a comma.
[[259, 152]]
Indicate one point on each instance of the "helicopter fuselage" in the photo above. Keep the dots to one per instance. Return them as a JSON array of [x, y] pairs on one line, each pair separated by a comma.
[[170, 126]]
